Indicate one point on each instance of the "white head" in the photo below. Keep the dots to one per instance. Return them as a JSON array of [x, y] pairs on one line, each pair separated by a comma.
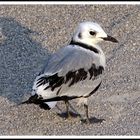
[[91, 33]]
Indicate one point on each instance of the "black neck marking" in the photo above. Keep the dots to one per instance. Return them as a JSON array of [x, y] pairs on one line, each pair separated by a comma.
[[84, 46]]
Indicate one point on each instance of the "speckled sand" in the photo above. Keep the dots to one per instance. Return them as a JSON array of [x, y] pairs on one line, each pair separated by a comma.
[[29, 33]]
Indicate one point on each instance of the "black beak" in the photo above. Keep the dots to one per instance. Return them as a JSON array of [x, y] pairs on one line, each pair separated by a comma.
[[110, 38]]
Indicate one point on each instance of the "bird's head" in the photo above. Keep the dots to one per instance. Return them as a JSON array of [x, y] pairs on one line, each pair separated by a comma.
[[91, 33]]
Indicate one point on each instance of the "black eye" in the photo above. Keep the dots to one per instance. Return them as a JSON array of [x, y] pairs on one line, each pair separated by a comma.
[[92, 33]]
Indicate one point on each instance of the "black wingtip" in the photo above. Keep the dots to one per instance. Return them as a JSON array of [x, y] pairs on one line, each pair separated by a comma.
[[24, 102], [32, 99]]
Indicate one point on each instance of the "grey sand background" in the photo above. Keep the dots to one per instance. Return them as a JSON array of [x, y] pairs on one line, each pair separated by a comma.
[[30, 33]]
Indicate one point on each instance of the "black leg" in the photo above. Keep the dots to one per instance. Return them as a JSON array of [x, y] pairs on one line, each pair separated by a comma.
[[67, 108], [86, 111]]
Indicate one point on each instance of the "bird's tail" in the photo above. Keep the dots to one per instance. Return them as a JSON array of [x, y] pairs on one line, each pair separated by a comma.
[[43, 104], [32, 99]]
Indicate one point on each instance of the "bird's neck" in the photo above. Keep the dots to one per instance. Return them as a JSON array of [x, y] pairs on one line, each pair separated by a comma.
[[94, 48], [84, 45], [102, 56]]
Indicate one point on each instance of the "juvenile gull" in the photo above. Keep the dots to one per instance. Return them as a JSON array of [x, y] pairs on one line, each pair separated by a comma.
[[74, 71]]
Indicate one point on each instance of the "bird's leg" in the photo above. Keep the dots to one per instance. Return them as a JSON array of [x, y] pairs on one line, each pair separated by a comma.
[[86, 111], [67, 108], [84, 101]]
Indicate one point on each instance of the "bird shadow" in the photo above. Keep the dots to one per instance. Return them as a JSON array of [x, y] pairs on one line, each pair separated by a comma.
[[65, 115], [93, 120], [75, 114], [22, 58]]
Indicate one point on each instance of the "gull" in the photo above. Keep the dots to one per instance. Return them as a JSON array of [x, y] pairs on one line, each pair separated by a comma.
[[73, 71]]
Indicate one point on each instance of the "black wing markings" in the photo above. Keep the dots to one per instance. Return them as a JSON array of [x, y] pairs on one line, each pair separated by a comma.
[[55, 81]]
